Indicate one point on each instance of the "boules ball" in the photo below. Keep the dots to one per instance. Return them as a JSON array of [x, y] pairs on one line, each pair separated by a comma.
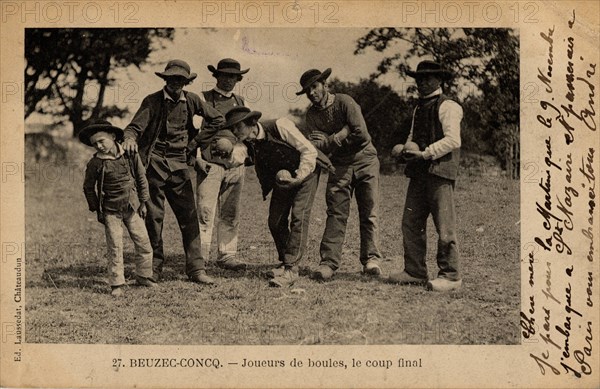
[[224, 146], [283, 176]]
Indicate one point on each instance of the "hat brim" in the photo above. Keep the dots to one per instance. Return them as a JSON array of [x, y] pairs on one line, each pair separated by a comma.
[[320, 77], [249, 115], [443, 74], [166, 74], [214, 70], [86, 133]]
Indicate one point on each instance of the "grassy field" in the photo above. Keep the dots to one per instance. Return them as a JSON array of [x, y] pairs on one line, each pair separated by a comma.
[[67, 299]]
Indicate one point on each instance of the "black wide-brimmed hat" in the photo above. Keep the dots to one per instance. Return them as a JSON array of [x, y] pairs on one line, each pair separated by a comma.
[[310, 77], [425, 68], [239, 114], [229, 66], [177, 68], [101, 125]]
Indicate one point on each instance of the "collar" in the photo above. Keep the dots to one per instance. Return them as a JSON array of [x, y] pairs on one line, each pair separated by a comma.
[[222, 92], [328, 102], [120, 152], [261, 132], [168, 97], [436, 92]]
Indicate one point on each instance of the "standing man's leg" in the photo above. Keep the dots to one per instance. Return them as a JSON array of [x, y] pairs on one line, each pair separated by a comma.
[[414, 234], [154, 219], [228, 220], [279, 219], [367, 199], [180, 195], [444, 217], [300, 219], [295, 245], [208, 186], [338, 195]]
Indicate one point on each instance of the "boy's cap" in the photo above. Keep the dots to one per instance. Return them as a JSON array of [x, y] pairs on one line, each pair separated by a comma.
[[101, 125]]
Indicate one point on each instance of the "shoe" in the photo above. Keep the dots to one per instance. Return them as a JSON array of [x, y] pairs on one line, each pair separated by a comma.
[[323, 273], [276, 272], [117, 291], [287, 279], [441, 284], [231, 263], [145, 281], [372, 268], [202, 278], [403, 278], [155, 277]]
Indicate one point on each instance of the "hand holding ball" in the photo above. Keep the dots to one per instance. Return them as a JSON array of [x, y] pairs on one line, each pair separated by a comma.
[[283, 177], [223, 147], [410, 146], [397, 150]]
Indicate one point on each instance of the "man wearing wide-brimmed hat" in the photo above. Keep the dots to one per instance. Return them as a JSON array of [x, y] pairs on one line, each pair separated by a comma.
[[289, 166], [356, 173], [162, 131], [220, 180], [432, 166]]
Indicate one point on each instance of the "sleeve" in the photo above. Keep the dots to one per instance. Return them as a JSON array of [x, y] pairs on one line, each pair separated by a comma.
[[311, 126], [89, 185], [308, 153], [450, 115], [140, 121], [239, 155], [141, 180], [355, 121], [213, 121]]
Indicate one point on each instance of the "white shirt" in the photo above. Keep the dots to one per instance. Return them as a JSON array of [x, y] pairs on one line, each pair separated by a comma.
[[168, 96], [450, 115], [291, 135]]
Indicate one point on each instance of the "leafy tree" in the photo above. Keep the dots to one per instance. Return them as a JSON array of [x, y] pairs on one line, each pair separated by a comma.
[[62, 64], [486, 65]]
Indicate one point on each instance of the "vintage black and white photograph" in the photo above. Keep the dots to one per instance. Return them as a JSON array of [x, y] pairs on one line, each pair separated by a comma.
[[256, 186]]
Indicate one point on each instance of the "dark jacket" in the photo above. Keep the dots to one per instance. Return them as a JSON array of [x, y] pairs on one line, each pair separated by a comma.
[[127, 186], [150, 119]]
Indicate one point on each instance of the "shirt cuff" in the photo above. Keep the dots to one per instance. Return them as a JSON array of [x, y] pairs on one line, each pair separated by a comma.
[[301, 174], [427, 154]]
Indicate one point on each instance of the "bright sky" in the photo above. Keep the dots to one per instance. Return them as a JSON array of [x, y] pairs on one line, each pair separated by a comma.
[[276, 57]]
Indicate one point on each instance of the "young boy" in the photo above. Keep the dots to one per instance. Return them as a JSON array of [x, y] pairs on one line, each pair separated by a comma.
[[116, 188]]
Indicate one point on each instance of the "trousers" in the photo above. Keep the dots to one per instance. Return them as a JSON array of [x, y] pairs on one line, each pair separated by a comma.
[[430, 195], [289, 217], [176, 188], [113, 228], [361, 178], [218, 195]]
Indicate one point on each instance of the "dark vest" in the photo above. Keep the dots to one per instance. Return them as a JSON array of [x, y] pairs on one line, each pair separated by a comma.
[[426, 130], [272, 154]]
